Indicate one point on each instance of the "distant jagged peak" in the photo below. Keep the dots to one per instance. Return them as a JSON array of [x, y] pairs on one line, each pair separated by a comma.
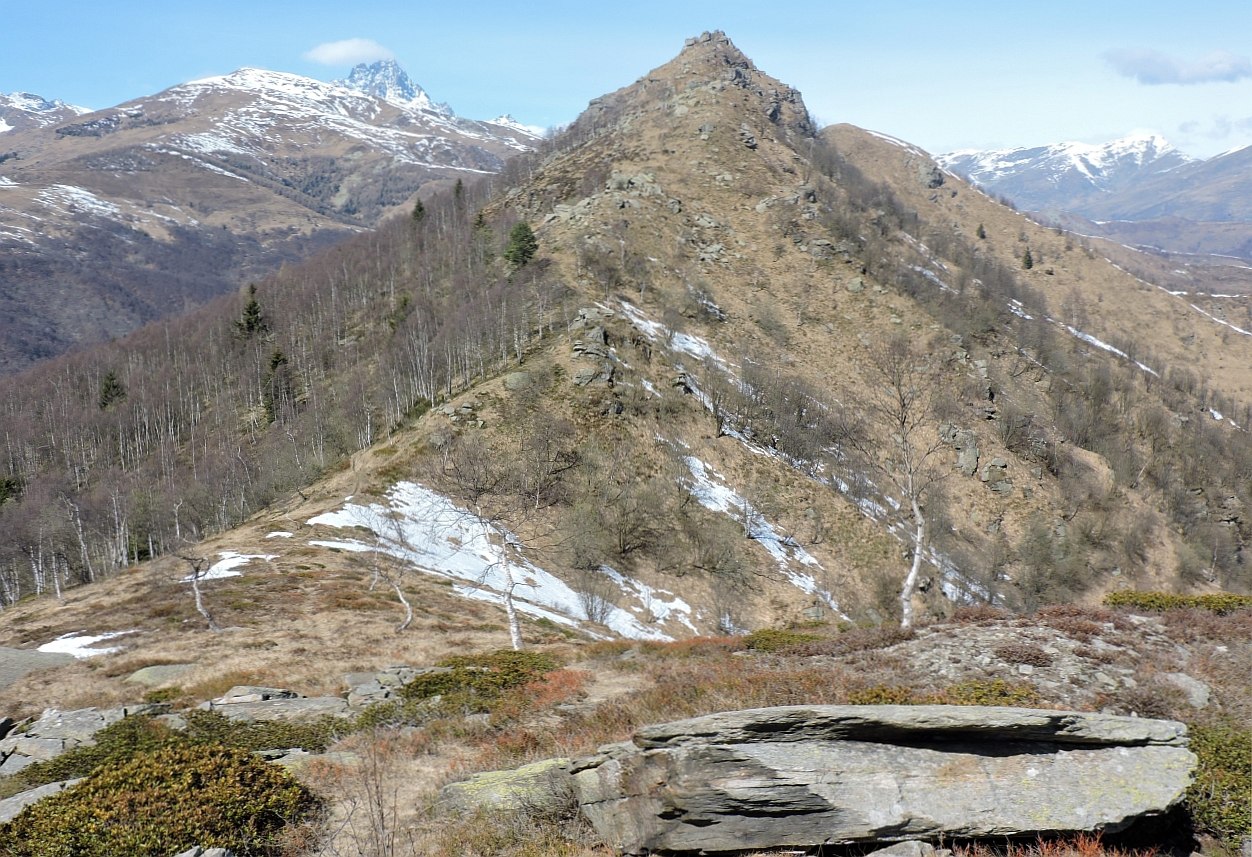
[[385, 79], [32, 103]]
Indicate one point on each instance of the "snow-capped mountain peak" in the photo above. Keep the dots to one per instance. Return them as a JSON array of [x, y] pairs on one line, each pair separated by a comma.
[[1064, 175], [385, 79], [24, 109]]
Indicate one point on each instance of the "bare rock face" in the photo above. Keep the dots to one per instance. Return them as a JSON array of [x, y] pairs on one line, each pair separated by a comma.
[[802, 776]]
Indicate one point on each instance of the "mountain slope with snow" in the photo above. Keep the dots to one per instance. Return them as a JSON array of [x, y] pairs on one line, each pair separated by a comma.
[[140, 210], [1066, 176], [24, 110]]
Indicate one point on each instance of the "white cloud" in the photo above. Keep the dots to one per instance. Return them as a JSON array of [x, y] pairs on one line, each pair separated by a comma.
[[1154, 68], [348, 52]]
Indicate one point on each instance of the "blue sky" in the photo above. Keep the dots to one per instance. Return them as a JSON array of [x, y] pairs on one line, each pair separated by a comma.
[[943, 75]]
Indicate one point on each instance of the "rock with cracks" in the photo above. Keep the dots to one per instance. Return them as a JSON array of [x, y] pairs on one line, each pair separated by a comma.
[[802, 776]]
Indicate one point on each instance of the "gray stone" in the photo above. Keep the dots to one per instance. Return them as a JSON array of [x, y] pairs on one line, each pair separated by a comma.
[[803, 776], [249, 693], [303, 708], [515, 381], [1197, 691], [10, 807], [543, 785], [908, 848], [158, 674]]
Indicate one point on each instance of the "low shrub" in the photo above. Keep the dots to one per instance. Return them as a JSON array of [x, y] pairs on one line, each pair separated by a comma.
[[1219, 799], [1220, 603], [471, 684], [1023, 653], [163, 802], [778, 640], [973, 692]]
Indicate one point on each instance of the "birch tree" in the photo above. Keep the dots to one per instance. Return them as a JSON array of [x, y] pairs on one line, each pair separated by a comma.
[[893, 433]]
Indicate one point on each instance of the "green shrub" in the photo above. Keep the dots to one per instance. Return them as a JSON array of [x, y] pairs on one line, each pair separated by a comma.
[[995, 691], [778, 640], [478, 680], [471, 684], [1219, 798], [161, 803], [973, 692], [210, 727], [1220, 603]]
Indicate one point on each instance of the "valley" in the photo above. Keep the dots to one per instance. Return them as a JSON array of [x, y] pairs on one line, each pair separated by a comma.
[[692, 406]]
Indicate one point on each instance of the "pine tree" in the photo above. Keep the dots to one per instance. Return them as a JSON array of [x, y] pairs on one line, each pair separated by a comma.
[[111, 390], [419, 211], [252, 321], [1028, 261], [522, 245]]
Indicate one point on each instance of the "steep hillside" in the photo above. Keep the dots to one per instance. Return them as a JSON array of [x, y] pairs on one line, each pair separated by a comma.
[[746, 374], [146, 209]]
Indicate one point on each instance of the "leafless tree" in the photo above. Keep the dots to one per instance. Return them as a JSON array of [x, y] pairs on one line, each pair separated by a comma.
[[894, 434], [198, 572]]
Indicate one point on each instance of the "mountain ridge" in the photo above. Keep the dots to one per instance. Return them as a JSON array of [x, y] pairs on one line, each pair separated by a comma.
[[166, 200]]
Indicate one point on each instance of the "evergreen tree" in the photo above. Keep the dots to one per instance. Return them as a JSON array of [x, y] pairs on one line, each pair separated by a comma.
[[522, 245], [1028, 261], [982, 232], [111, 390], [419, 211], [252, 321]]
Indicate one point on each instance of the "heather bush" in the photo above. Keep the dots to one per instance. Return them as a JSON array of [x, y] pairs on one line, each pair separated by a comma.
[[163, 802]]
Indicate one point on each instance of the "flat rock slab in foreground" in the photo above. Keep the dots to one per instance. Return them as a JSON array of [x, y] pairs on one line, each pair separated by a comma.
[[801, 776]]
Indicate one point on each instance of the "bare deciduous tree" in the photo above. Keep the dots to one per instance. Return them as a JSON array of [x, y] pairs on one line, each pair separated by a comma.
[[895, 435]]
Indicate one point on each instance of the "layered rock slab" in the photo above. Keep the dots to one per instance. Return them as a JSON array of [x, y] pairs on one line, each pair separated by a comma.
[[802, 776]]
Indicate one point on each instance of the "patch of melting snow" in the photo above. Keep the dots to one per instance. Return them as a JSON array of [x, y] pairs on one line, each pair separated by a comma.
[[81, 645], [687, 343], [712, 493], [229, 562], [278, 534], [429, 531], [1098, 343]]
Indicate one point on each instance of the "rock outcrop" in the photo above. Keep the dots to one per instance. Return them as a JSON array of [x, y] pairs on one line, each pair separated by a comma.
[[802, 776], [55, 732]]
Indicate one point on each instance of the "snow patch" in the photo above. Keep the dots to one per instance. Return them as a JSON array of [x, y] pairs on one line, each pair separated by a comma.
[[709, 489], [426, 529], [81, 645], [227, 565], [278, 534]]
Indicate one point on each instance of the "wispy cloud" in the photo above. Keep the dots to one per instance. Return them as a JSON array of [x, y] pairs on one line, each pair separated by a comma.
[[348, 52], [1154, 68]]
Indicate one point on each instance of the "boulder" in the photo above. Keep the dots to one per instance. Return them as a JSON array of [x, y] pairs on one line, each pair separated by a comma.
[[159, 674], [804, 776], [300, 708], [58, 731], [10, 807], [543, 785]]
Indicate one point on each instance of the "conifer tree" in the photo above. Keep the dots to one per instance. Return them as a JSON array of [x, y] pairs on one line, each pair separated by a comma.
[[111, 390], [522, 245], [252, 321], [1028, 261]]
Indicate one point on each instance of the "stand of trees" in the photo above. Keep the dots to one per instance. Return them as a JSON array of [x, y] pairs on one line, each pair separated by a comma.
[[188, 426]]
